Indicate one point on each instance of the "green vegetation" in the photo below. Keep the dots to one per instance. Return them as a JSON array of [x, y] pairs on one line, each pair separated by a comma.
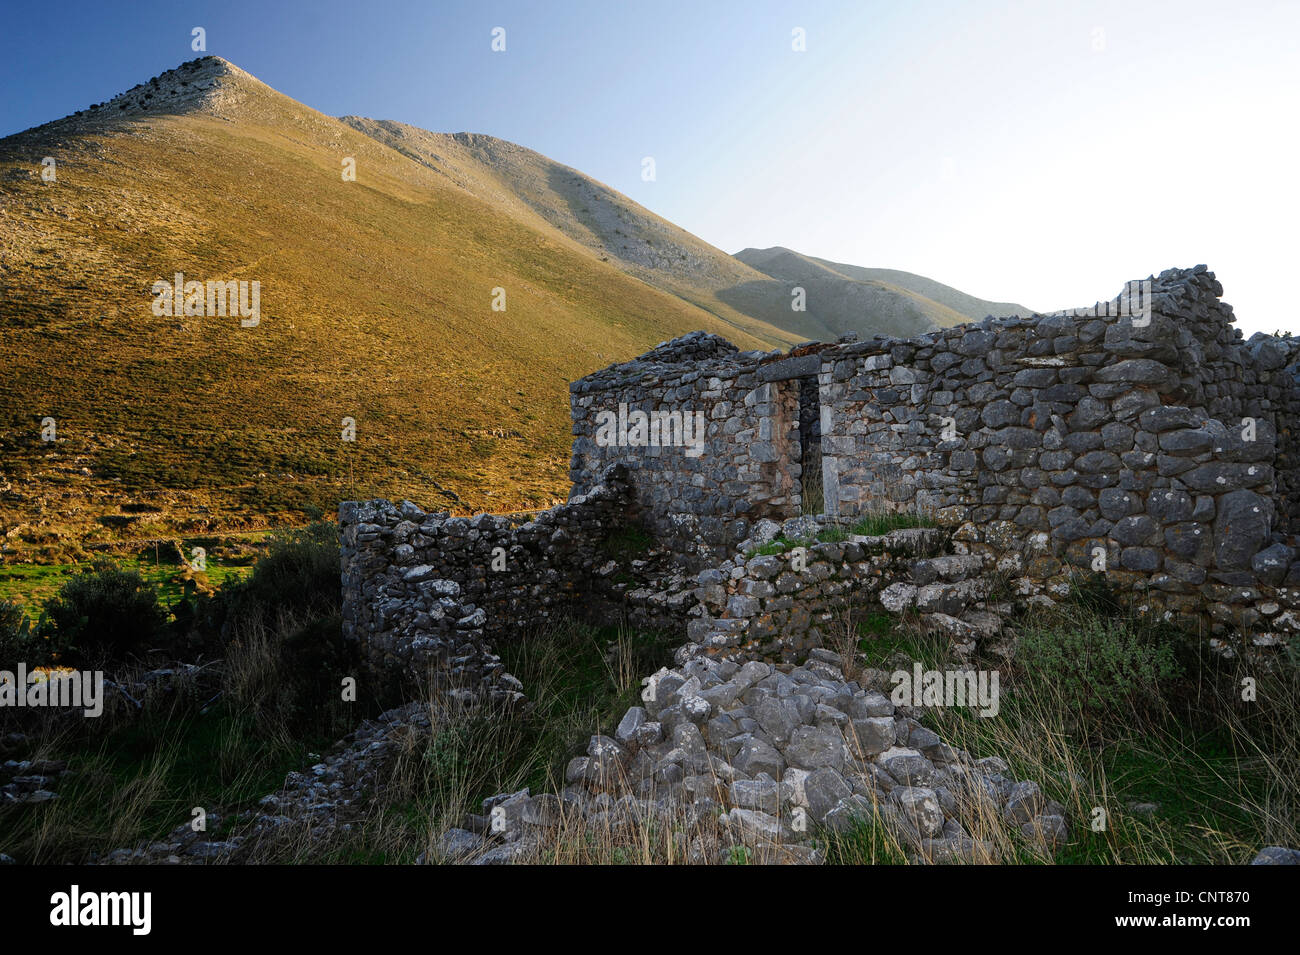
[[1104, 710], [579, 679], [298, 574], [1098, 664], [135, 779], [31, 585], [882, 522], [627, 543], [874, 524], [103, 612], [224, 734], [1108, 711], [777, 546], [15, 634]]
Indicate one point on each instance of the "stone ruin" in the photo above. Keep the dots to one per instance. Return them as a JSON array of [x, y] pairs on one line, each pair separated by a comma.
[[1141, 439]]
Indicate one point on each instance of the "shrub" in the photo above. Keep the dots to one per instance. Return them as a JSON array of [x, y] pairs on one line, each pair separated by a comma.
[[316, 658], [299, 574], [102, 611], [15, 636], [1100, 664]]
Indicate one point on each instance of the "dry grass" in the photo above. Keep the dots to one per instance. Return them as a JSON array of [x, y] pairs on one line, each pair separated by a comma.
[[376, 305]]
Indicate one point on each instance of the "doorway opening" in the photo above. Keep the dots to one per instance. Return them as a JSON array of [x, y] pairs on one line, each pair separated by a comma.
[[811, 498]]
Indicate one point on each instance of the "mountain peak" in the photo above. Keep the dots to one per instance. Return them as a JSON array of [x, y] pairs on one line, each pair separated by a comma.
[[206, 84]]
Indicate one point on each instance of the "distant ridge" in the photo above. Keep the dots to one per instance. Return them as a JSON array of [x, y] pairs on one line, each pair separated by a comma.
[[916, 297]]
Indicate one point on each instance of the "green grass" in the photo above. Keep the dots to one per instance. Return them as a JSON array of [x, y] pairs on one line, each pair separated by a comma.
[[579, 680], [1224, 772], [627, 543], [879, 523], [31, 585], [778, 546], [141, 779], [875, 524]]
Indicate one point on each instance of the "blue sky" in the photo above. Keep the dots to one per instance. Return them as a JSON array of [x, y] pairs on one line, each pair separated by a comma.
[[1038, 152]]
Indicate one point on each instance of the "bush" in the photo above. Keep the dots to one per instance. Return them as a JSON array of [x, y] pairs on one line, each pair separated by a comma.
[[15, 636], [316, 658], [299, 574], [1099, 664], [101, 611]]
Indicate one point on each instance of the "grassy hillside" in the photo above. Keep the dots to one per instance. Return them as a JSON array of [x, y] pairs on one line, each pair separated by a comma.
[[969, 306], [376, 303], [751, 291], [605, 223], [895, 303]]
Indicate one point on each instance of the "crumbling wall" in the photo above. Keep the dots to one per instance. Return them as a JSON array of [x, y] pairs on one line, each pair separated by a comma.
[[700, 499], [427, 589], [1139, 438], [1082, 442]]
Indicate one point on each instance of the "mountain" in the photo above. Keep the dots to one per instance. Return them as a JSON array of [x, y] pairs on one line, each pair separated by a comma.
[[752, 290], [896, 302], [606, 223], [375, 304]]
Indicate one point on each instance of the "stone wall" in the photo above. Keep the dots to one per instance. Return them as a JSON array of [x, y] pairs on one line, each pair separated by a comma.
[[425, 589], [1082, 442], [698, 501], [1140, 438], [779, 606]]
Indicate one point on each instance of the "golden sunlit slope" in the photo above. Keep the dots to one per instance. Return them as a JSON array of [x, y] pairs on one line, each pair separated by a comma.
[[752, 290], [593, 216], [376, 304]]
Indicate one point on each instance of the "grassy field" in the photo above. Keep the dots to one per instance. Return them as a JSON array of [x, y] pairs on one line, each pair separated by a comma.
[[1175, 784], [1175, 769], [1143, 737]]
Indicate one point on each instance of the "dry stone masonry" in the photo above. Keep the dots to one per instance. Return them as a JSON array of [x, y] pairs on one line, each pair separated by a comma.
[[1141, 439], [428, 592], [761, 761], [1150, 444]]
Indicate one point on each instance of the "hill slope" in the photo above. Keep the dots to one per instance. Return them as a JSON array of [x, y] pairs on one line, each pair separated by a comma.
[[892, 298], [377, 300], [752, 290], [606, 223], [969, 306], [376, 304]]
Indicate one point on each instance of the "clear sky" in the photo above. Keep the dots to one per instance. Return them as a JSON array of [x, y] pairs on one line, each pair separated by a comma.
[[1036, 152]]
